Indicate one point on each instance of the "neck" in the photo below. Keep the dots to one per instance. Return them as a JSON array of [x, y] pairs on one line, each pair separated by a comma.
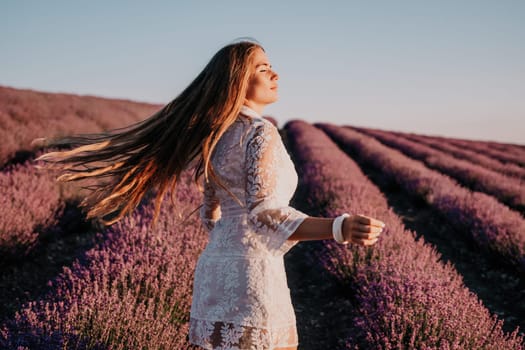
[[256, 107]]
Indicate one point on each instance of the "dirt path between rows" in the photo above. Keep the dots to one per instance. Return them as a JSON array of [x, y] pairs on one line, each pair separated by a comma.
[[323, 312]]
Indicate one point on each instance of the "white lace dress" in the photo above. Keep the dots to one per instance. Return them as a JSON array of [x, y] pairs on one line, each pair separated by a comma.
[[241, 298]]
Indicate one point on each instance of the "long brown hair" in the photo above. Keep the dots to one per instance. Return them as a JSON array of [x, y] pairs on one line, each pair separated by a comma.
[[154, 152]]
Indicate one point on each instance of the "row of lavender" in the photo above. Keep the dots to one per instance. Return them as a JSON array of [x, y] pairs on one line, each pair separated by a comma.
[[518, 149], [506, 153], [508, 190], [30, 202], [133, 290], [27, 114], [513, 154], [406, 298], [489, 223], [33, 209], [508, 169], [504, 147]]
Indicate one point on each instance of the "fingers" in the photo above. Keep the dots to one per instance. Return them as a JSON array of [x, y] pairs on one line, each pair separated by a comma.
[[363, 230], [363, 235], [364, 242], [366, 220]]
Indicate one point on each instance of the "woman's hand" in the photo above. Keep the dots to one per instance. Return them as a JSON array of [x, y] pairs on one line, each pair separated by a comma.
[[362, 230]]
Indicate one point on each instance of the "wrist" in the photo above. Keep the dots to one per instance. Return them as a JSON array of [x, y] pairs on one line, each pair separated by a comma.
[[337, 228]]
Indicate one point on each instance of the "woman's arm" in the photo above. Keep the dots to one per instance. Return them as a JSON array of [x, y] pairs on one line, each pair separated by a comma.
[[357, 229], [313, 228]]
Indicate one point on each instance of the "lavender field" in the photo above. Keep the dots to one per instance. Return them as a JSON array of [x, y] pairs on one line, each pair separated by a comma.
[[447, 273]]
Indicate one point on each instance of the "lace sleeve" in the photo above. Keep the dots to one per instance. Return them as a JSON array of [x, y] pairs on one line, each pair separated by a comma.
[[273, 220], [210, 211]]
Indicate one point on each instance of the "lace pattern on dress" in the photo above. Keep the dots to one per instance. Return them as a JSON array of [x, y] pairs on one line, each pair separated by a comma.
[[273, 219], [240, 280], [214, 335]]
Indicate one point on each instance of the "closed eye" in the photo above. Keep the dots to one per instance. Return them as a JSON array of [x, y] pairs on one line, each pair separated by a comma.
[[265, 68]]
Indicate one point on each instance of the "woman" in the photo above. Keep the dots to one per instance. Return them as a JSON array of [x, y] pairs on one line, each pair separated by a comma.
[[240, 295]]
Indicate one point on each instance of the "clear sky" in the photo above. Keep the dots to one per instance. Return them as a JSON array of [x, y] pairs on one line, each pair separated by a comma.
[[452, 68]]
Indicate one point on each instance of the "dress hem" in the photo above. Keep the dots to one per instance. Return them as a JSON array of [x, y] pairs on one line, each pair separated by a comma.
[[206, 347], [275, 338], [244, 324]]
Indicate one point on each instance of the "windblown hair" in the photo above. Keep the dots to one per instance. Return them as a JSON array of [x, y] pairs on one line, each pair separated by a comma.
[[153, 153]]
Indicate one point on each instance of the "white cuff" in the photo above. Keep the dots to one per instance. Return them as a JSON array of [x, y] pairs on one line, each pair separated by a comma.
[[337, 228]]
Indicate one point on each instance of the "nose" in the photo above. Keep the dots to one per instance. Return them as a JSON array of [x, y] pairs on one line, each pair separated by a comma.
[[275, 76]]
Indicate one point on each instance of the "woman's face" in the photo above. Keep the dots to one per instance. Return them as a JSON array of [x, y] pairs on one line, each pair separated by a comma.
[[262, 87]]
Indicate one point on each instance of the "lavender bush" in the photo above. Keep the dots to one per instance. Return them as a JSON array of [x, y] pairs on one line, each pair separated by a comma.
[[516, 149], [34, 208], [513, 148], [30, 203], [510, 191], [507, 169], [27, 114], [489, 223], [406, 298], [506, 154], [133, 291], [495, 149]]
